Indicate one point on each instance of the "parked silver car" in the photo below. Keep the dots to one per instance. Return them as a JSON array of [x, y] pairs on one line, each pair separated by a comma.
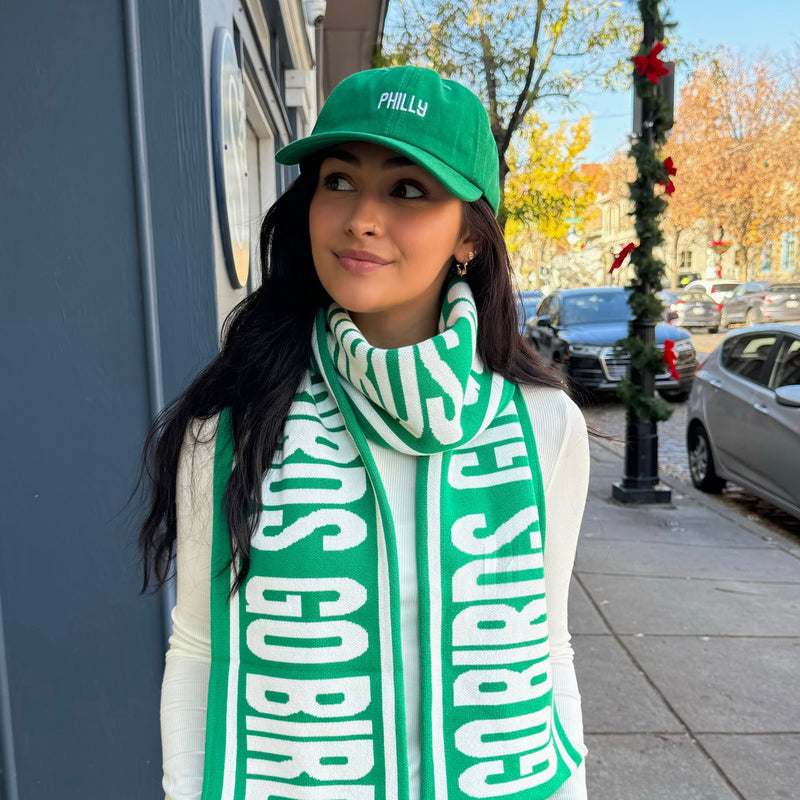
[[743, 415], [755, 302], [691, 309]]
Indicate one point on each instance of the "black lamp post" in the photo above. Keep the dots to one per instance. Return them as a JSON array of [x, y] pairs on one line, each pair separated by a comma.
[[640, 482]]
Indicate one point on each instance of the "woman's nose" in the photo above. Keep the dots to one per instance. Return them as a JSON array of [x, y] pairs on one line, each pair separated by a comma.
[[365, 219]]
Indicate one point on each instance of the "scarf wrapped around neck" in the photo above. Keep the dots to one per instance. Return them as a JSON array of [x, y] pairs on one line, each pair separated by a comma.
[[306, 696]]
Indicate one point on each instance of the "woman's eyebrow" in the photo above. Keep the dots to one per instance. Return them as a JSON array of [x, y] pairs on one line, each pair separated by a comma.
[[398, 161], [344, 155], [351, 158]]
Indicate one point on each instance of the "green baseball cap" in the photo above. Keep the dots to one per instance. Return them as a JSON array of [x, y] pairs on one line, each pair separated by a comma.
[[438, 124]]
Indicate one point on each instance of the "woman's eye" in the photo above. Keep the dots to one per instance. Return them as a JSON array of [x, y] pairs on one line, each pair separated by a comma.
[[337, 183], [408, 191]]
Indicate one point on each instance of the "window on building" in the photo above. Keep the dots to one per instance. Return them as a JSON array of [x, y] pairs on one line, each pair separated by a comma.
[[766, 257], [687, 261], [789, 251], [615, 219]]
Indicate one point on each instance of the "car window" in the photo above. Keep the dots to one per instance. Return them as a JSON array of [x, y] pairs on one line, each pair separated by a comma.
[[555, 307], [783, 287], [544, 306], [787, 365], [724, 287], [695, 294], [601, 307], [747, 355], [739, 291]]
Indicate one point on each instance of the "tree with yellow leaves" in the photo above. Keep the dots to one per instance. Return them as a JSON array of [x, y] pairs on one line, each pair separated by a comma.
[[545, 188]]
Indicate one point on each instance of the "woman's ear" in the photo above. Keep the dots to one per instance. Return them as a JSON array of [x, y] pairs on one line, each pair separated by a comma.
[[465, 250]]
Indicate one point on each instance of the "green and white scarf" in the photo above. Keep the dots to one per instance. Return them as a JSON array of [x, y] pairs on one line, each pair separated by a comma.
[[306, 690]]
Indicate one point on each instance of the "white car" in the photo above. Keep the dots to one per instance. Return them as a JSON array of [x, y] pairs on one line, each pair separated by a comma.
[[743, 415], [719, 288]]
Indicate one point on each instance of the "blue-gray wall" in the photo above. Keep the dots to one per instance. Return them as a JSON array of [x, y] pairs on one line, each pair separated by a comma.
[[83, 651]]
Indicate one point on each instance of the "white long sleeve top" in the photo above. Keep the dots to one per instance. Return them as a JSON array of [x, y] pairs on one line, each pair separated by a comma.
[[563, 450]]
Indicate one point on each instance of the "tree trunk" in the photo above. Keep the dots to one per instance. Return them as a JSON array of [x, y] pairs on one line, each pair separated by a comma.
[[744, 264], [540, 265], [673, 271], [502, 214]]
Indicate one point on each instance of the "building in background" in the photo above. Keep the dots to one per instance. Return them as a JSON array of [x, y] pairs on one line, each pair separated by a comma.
[[701, 249], [583, 257], [137, 161]]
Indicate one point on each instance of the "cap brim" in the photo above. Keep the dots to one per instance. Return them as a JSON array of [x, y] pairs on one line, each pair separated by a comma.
[[455, 183]]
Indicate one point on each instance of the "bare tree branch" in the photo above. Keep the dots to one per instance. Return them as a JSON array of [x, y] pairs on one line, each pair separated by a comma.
[[517, 114]]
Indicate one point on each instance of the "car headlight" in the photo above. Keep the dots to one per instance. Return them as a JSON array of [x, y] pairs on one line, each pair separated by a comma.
[[585, 350]]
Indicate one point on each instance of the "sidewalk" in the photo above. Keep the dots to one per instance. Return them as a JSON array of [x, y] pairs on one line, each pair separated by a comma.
[[686, 627]]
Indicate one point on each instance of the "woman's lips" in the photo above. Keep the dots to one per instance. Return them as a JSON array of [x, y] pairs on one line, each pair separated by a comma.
[[360, 261]]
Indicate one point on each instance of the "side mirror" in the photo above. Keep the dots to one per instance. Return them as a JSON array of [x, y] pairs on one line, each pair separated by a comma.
[[788, 395]]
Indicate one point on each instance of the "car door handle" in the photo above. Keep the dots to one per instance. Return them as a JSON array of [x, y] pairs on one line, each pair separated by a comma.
[[761, 407], [715, 383]]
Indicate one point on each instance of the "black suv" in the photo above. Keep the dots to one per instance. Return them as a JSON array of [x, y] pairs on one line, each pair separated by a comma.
[[577, 329]]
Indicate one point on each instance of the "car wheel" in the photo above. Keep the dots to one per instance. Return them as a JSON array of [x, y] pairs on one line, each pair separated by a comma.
[[713, 330], [723, 320], [752, 317], [701, 461]]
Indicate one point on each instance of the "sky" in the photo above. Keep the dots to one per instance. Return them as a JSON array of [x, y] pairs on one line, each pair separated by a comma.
[[743, 26]]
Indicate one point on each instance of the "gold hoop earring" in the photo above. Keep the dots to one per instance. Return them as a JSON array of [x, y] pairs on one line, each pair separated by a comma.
[[461, 269]]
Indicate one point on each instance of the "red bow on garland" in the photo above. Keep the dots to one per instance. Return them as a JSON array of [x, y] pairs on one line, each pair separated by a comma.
[[670, 358], [621, 256], [651, 65], [669, 186]]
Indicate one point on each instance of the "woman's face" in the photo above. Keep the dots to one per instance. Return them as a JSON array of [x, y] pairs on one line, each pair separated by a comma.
[[383, 233]]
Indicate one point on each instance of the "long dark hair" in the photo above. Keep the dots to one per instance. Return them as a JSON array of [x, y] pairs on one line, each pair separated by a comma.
[[265, 351]]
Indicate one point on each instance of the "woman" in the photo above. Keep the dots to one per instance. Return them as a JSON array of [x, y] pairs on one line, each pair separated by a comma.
[[357, 487]]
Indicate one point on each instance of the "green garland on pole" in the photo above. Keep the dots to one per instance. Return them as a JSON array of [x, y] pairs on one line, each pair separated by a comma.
[[648, 208]]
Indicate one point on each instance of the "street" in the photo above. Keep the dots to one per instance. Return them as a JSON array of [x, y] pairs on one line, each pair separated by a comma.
[[607, 416]]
